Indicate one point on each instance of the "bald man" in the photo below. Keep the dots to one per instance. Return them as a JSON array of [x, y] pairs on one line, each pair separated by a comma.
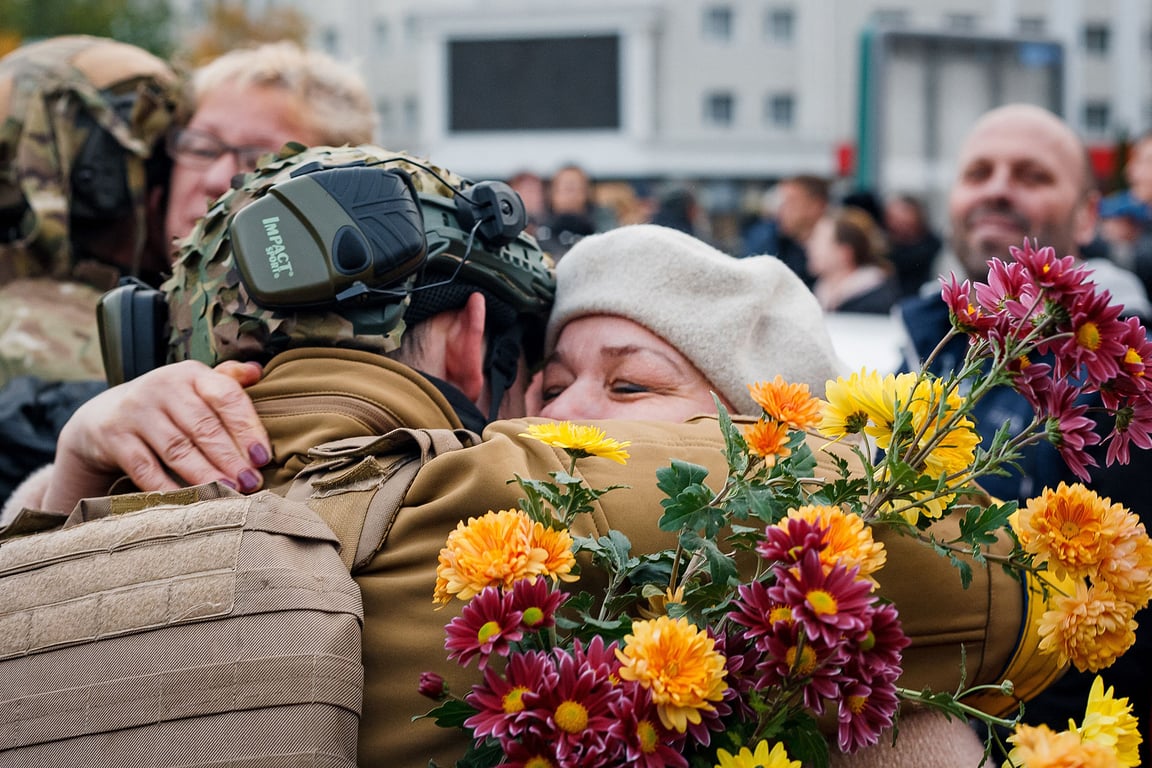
[[1022, 172]]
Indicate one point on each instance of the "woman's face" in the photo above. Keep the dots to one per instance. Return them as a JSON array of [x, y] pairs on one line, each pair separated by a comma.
[[606, 367], [824, 253]]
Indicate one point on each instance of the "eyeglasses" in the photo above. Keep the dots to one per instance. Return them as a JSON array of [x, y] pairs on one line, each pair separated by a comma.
[[200, 149]]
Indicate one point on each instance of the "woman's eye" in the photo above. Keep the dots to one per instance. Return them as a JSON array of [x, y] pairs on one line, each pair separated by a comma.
[[628, 387], [551, 393]]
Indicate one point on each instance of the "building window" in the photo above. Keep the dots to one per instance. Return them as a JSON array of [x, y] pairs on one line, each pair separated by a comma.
[[385, 117], [411, 30], [779, 25], [960, 22], [1097, 117], [718, 22], [381, 35], [719, 109], [780, 110], [890, 17], [1030, 26], [1097, 39], [411, 115], [330, 40]]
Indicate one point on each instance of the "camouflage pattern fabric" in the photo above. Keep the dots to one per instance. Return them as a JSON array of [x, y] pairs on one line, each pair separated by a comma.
[[214, 319], [44, 89], [47, 331]]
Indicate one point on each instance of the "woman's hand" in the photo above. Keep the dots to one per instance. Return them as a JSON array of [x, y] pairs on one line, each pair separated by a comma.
[[186, 418]]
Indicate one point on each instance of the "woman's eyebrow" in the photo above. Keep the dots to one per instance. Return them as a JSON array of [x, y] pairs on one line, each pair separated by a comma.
[[627, 350]]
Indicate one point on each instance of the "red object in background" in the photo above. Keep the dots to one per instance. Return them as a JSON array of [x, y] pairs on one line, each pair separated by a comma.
[[1104, 160], [845, 159]]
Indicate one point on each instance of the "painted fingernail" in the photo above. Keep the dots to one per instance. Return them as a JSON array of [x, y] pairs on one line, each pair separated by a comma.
[[249, 480], [258, 454], [227, 482]]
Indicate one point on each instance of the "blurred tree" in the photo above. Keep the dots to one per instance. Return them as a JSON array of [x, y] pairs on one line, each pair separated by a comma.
[[229, 26], [145, 23]]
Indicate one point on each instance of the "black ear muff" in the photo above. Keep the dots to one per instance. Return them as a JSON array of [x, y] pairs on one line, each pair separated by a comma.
[[99, 177], [330, 236]]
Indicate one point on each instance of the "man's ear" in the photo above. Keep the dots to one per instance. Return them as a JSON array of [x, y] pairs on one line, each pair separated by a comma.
[[1087, 217], [464, 348]]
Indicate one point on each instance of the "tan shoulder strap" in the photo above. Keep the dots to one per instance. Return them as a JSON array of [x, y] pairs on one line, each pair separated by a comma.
[[358, 485]]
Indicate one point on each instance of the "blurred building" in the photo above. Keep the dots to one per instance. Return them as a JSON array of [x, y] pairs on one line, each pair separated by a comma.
[[728, 92]]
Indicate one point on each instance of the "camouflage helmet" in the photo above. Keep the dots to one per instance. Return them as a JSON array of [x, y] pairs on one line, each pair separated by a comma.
[[213, 316], [81, 121]]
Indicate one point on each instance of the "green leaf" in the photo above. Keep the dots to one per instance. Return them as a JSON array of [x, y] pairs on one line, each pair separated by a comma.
[[805, 743], [674, 479], [735, 447], [450, 714]]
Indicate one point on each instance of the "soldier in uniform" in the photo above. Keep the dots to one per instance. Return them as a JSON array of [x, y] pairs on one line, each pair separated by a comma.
[[82, 178], [89, 194], [440, 349]]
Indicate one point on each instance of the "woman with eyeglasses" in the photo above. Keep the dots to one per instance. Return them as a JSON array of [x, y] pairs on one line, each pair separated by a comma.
[[250, 102]]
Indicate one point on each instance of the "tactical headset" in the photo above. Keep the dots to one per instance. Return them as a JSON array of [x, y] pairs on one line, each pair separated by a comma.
[[353, 238], [99, 178]]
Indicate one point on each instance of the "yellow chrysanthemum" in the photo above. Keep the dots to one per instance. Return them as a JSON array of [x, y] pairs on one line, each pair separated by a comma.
[[849, 540], [792, 404], [850, 404], [1090, 628], [768, 440], [658, 604], [762, 757], [1041, 747], [579, 441], [1109, 721], [882, 400], [953, 446], [498, 549], [1070, 528], [919, 503], [678, 664]]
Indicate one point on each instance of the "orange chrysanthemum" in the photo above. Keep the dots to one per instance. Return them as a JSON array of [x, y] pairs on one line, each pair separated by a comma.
[[768, 440], [1072, 529], [1041, 747], [849, 541], [792, 404], [1090, 628], [678, 664], [498, 549]]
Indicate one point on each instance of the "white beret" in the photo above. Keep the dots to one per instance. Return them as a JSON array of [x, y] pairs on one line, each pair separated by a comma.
[[738, 320]]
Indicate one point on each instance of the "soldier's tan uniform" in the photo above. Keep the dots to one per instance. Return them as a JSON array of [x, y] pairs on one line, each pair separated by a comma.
[[403, 631]]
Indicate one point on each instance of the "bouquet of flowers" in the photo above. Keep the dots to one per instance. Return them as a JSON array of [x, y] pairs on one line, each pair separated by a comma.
[[760, 636]]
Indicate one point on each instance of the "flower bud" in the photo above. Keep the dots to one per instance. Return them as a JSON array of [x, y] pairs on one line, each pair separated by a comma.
[[431, 685]]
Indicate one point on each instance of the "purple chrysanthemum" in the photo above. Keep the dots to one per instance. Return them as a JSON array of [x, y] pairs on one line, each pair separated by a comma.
[[863, 714], [487, 624], [645, 742], [502, 711], [787, 544], [1069, 430], [537, 601], [579, 722], [829, 606]]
